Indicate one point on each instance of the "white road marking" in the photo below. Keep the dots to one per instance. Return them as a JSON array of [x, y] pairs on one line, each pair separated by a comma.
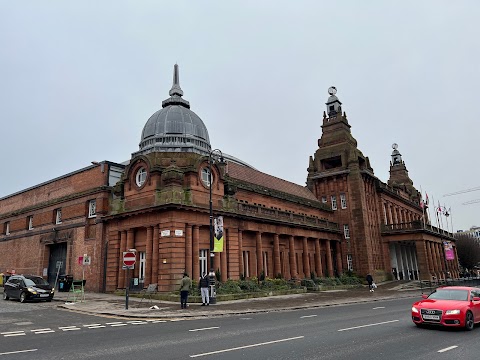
[[43, 332], [92, 325], [24, 323], [157, 321], [362, 326], [307, 316], [246, 346], [69, 328], [245, 318], [17, 352], [11, 332], [18, 334], [137, 322], [113, 323], [448, 348], [378, 307], [209, 328], [118, 325], [95, 327], [41, 329]]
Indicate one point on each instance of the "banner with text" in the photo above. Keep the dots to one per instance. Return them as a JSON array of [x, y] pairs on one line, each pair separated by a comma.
[[218, 234]]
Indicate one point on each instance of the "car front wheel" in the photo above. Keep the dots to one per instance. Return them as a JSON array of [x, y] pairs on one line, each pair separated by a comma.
[[23, 297], [469, 321], [5, 296]]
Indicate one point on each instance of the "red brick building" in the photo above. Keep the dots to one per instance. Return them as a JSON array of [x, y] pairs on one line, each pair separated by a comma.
[[158, 203]]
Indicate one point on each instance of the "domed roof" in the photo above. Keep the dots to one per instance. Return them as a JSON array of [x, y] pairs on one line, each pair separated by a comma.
[[174, 128]]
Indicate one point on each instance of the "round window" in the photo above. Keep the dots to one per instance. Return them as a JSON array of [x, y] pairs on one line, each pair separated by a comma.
[[141, 177], [206, 177]]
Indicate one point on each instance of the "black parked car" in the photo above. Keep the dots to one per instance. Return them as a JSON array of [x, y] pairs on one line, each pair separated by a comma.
[[27, 287]]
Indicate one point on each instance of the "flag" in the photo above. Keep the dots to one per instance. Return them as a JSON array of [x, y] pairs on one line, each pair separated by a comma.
[[218, 237], [422, 204], [446, 211], [426, 199]]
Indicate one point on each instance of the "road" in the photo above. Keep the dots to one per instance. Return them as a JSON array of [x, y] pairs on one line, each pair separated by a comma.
[[376, 330]]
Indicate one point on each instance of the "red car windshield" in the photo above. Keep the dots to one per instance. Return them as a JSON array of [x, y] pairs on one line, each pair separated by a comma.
[[444, 294]]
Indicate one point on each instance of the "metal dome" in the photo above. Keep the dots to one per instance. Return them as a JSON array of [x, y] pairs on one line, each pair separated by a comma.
[[174, 128]]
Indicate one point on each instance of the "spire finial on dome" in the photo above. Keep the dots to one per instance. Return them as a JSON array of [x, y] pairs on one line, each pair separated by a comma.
[[176, 89]]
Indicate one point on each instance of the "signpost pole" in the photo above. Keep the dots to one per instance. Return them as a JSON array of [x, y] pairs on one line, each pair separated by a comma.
[[127, 288]]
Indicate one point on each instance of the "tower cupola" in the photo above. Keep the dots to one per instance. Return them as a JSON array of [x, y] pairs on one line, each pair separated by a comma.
[[396, 156], [334, 106]]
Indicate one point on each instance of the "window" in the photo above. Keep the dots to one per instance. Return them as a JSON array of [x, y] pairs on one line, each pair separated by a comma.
[[58, 216], [141, 177], [324, 199], [265, 263], [7, 228], [92, 208], [206, 178], [203, 262], [334, 202], [343, 201], [141, 268], [30, 222], [246, 264], [349, 262], [346, 231]]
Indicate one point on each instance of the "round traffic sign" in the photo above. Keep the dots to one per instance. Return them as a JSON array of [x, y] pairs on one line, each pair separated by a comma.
[[129, 258]]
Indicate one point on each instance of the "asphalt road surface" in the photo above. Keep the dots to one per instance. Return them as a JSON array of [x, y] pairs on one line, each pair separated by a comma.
[[376, 330]]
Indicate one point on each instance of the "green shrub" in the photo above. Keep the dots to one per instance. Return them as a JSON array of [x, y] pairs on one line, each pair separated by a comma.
[[309, 283], [229, 287], [248, 285]]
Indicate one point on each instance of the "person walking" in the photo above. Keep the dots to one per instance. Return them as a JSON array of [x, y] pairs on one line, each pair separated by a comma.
[[203, 286], [185, 286], [369, 279]]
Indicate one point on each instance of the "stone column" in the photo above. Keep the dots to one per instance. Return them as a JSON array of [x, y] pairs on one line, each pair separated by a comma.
[[155, 255], [306, 262], [148, 257], [240, 254], [339, 258], [188, 250], [259, 254], [276, 256], [293, 262], [223, 256], [196, 254], [329, 259], [318, 259], [123, 246]]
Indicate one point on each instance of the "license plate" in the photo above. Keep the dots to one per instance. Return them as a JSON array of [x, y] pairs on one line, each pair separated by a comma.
[[431, 317], [44, 295]]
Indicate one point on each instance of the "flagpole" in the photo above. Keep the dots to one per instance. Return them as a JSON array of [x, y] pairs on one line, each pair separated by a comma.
[[435, 211], [427, 202]]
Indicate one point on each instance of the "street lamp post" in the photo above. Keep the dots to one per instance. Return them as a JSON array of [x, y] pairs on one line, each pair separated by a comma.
[[213, 156]]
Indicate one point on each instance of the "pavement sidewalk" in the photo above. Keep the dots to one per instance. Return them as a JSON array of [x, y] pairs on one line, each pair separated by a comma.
[[114, 305]]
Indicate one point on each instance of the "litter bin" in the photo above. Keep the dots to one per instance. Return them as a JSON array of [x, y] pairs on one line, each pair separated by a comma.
[[1, 279], [65, 283]]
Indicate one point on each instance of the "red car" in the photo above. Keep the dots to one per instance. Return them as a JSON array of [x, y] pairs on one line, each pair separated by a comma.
[[449, 306]]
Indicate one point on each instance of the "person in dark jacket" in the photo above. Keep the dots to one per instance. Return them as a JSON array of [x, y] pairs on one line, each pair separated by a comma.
[[185, 286], [203, 286], [370, 282]]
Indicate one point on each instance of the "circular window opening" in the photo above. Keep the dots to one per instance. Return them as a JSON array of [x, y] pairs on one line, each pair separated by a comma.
[[206, 177], [141, 177]]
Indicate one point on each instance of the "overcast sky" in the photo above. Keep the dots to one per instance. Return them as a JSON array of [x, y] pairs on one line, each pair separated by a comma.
[[79, 80]]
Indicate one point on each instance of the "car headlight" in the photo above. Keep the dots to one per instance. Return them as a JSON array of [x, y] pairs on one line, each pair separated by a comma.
[[452, 312], [414, 309], [31, 290]]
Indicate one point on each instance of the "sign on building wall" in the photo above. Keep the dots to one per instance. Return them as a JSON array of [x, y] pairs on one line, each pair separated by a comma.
[[218, 234], [178, 232], [165, 233]]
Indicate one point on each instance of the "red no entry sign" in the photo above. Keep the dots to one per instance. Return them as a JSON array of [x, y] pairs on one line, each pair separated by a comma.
[[129, 258]]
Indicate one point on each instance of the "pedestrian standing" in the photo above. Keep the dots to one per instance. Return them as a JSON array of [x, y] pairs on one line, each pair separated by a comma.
[[203, 286], [370, 282], [185, 286]]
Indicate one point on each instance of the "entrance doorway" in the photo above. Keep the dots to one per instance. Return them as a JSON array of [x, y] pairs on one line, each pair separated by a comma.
[[57, 259]]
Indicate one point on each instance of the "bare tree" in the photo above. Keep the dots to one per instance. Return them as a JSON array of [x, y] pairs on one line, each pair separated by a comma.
[[468, 250]]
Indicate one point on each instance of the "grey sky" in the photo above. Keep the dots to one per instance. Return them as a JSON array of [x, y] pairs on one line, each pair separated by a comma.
[[80, 79]]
